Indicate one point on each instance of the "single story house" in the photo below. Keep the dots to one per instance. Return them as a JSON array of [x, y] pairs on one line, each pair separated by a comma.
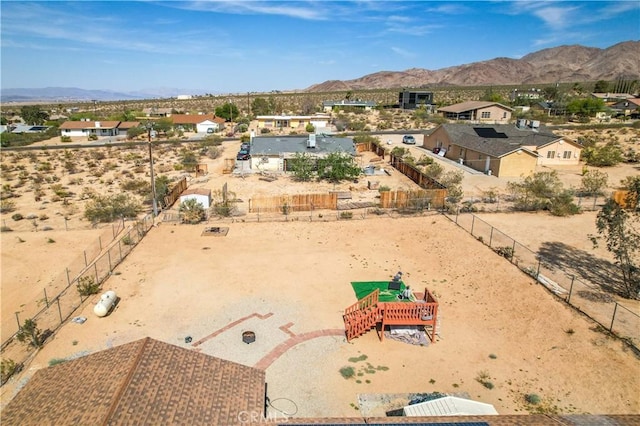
[[503, 150], [142, 382], [270, 153], [296, 122], [612, 97], [627, 107], [200, 123], [477, 111], [412, 99], [88, 127], [26, 128], [124, 127], [329, 106], [201, 195], [157, 112]]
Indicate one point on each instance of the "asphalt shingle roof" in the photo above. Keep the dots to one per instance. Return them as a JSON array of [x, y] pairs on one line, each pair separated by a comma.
[[470, 106], [497, 140], [271, 145], [142, 382]]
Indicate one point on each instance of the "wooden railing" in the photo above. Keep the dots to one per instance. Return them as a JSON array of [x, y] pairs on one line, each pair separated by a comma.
[[366, 302]]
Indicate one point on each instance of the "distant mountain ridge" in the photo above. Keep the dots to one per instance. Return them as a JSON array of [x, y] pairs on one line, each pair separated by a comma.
[[572, 63], [558, 64]]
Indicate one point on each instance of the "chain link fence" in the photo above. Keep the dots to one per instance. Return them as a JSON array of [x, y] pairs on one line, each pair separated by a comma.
[[586, 297], [61, 298]]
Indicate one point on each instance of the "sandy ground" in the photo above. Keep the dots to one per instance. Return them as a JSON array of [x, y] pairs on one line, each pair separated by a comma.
[[178, 283]]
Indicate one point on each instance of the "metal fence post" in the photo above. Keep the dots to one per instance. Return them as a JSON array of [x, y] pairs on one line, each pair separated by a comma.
[[513, 251], [95, 267], [18, 320], [68, 278], [85, 258], [613, 318], [491, 237], [100, 242], [538, 272], [573, 277], [457, 213], [46, 300], [473, 222], [109, 258], [60, 310], [120, 249]]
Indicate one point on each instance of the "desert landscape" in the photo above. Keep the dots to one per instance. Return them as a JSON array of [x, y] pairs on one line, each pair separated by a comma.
[[286, 279]]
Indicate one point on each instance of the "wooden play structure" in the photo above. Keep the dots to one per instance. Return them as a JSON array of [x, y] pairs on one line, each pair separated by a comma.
[[370, 312]]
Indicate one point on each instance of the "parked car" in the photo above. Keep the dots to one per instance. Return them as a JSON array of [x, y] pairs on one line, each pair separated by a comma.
[[245, 147], [243, 155], [409, 140]]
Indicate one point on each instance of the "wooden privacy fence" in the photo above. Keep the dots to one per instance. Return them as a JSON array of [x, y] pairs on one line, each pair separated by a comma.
[[175, 192], [294, 203], [418, 199], [415, 174], [371, 146]]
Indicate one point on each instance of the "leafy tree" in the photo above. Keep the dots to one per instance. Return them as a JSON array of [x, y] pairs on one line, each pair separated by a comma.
[[536, 191], [302, 166], [619, 230], [632, 185], [259, 106], [585, 107], [337, 166], [188, 159], [108, 208], [453, 182], [32, 114], [162, 188], [601, 86], [593, 182], [30, 333], [551, 92], [606, 155], [228, 111], [192, 211], [492, 96], [134, 132], [163, 125]]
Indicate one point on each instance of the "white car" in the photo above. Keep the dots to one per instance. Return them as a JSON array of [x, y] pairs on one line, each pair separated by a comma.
[[409, 140]]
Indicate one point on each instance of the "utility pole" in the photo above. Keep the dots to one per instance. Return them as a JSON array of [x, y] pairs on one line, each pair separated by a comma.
[[153, 179]]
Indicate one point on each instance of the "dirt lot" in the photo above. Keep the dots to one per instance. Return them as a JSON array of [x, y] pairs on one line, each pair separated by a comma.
[[177, 283]]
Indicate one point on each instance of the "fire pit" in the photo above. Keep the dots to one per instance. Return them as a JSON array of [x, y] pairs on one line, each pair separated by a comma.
[[248, 337]]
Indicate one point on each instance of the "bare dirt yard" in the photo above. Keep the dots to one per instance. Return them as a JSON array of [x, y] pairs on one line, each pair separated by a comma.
[[290, 282]]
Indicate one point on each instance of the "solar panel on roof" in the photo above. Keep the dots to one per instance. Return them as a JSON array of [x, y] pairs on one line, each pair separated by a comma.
[[489, 133]]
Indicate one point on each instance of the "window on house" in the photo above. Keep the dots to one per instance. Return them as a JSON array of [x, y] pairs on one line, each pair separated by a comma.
[[504, 114], [566, 155], [551, 154], [486, 114]]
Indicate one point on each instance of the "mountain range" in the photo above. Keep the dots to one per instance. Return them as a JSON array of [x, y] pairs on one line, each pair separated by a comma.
[[573, 63]]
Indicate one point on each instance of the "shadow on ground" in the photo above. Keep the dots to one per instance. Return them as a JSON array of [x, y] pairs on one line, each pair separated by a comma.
[[584, 265]]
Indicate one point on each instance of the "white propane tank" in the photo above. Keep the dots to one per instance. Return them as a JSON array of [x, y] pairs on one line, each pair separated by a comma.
[[105, 303]]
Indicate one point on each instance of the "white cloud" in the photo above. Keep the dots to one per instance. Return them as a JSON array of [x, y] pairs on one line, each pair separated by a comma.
[[402, 52]]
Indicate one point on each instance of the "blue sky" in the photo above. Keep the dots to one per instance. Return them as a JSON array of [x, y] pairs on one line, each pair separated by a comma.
[[240, 46]]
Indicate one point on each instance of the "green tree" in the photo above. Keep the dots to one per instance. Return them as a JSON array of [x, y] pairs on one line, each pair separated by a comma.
[[107, 208], [337, 166], [30, 333], [228, 111], [585, 107], [260, 106], [551, 92], [619, 230], [536, 191], [162, 188], [302, 166], [606, 155], [192, 211], [453, 182], [134, 132], [188, 159], [32, 114], [491, 96], [163, 125], [601, 86], [593, 182]]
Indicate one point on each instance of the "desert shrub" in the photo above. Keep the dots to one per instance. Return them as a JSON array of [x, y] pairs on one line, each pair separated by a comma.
[[606, 155], [347, 372], [346, 215], [17, 216], [127, 240], [30, 334], [7, 369], [7, 206], [65, 138], [192, 211], [384, 188], [505, 251], [56, 361], [532, 399], [108, 208], [93, 137], [483, 378], [562, 204], [264, 130], [87, 286]]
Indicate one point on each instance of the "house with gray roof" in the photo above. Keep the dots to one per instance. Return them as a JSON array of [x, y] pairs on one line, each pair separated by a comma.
[[273, 153], [504, 150]]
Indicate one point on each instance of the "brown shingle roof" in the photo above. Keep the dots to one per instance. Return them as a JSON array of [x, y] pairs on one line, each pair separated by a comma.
[[194, 119], [142, 382]]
